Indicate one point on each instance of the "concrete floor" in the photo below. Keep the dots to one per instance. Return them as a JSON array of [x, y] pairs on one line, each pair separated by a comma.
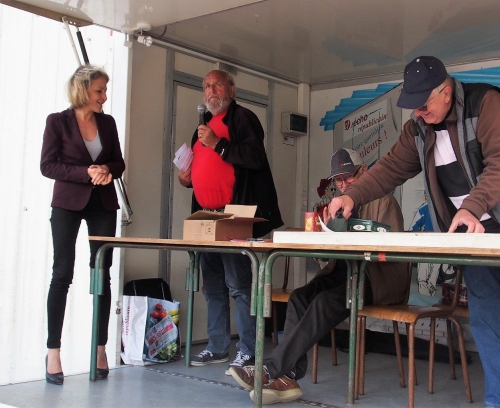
[[174, 385]]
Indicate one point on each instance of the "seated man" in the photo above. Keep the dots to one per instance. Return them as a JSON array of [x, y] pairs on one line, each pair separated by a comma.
[[314, 309]]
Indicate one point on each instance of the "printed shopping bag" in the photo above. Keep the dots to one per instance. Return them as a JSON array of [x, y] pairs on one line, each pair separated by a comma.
[[150, 330]]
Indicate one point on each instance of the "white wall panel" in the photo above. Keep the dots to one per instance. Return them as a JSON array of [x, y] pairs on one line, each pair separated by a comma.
[[35, 63], [146, 147], [186, 119], [284, 169]]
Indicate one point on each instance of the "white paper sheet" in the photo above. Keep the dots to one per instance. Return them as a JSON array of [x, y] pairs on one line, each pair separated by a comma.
[[183, 157], [323, 226]]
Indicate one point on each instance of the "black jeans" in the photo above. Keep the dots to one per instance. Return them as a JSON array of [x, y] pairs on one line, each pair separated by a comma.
[[312, 311], [65, 225]]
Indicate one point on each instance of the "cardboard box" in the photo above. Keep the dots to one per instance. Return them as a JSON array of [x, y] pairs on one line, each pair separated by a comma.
[[236, 222]]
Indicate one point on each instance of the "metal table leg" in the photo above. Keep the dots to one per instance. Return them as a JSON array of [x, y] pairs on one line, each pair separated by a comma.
[[355, 291], [96, 289], [352, 276], [259, 340], [192, 283]]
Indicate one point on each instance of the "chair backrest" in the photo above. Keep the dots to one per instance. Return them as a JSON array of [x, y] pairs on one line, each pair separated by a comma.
[[456, 293], [458, 283]]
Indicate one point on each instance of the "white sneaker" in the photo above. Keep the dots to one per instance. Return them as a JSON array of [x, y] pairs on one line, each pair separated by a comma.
[[241, 360]]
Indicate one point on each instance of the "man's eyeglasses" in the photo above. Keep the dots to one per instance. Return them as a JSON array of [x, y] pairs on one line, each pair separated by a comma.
[[424, 108], [347, 179]]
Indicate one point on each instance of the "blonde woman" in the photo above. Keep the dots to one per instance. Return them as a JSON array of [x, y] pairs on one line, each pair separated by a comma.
[[81, 152]]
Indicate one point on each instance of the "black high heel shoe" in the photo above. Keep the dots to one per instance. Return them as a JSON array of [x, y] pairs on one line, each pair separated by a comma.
[[102, 373], [57, 378]]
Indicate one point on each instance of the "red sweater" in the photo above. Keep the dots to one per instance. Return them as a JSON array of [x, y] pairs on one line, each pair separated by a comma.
[[212, 178]]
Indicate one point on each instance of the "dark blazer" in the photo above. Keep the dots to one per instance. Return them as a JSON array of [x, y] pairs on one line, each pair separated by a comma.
[[65, 159]]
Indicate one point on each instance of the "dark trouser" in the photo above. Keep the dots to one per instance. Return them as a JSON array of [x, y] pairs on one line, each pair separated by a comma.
[[65, 225], [312, 311]]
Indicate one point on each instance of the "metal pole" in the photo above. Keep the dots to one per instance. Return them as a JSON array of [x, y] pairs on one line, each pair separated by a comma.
[[259, 341], [82, 46], [194, 270], [96, 287], [255, 271], [354, 275]]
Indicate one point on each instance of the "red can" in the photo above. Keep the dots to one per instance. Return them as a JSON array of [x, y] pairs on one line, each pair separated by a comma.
[[311, 221]]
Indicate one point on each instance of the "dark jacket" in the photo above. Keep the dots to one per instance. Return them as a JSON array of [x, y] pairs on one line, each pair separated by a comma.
[[65, 159], [254, 183], [389, 280]]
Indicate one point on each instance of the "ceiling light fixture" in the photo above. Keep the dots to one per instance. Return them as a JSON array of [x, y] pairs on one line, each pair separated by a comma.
[[146, 40]]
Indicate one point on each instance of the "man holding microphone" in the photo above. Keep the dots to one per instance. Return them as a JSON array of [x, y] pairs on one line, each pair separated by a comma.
[[229, 166]]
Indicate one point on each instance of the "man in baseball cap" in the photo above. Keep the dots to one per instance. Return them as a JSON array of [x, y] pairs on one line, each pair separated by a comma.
[[316, 308]]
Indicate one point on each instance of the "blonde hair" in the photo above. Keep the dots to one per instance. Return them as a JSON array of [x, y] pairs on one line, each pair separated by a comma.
[[80, 82]]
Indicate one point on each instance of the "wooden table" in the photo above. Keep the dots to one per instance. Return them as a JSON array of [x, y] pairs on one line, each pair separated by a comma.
[[358, 249], [193, 248]]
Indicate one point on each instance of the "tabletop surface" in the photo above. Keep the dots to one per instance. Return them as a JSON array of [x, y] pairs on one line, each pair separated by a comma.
[[407, 242], [173, 242], [414, 242]]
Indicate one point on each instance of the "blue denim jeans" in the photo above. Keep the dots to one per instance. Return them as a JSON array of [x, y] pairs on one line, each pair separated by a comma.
[[227, 275], [483, 289]]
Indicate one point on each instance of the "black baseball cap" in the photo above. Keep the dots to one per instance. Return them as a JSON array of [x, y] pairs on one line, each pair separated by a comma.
[[421, 76], [344, 161]]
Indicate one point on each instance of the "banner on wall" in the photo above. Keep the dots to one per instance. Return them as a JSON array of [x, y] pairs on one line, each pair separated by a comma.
[[372, 129], [365, 120]]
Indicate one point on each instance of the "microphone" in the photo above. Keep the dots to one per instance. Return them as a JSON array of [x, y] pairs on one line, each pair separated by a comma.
[[201, 113]]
